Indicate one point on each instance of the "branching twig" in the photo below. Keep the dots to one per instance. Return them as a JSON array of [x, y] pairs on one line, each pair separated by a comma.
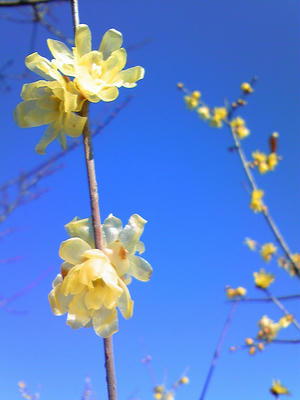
[[218, 349]]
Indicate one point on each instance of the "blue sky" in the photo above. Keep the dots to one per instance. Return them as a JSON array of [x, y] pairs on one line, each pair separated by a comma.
[[158, 159]]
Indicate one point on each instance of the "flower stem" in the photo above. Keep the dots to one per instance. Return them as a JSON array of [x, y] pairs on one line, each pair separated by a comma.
[[94, 200], [218, 350], [265, 211]]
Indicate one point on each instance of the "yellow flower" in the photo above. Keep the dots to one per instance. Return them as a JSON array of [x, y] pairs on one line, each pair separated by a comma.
[[191, 102], [242, 132], [252, 350], [285, 321], [99, 73], [203, 112], [238, 126], [262, 279], [158, 396], [251, 244], [219, 115], [277, 388], [256, 200], [184, 380], [268, 329], [272, 161], [120, 244], [238, 292], [92, 282], [246, 87], [196, 94], [267, 250], [54, 102], [260, 160]]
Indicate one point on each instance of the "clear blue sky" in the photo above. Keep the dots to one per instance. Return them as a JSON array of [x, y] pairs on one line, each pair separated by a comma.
[[161, 161]]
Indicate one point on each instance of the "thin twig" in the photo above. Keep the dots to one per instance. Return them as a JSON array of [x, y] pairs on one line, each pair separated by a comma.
[[281, 307], [218, 350], [94, 200], [268, 299], [265, 211], [16, 3]]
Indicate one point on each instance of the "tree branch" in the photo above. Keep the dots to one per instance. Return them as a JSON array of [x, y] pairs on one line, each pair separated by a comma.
[[17, 3]]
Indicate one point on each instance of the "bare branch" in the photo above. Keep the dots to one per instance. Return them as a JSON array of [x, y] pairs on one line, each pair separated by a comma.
[[17, 3]]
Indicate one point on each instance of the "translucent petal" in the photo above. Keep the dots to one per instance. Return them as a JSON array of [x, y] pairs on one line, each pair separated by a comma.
[[125, 303], [82, 228], [140, 268], [70, 101], [35, 90], [112, 40], [71, 250], [78, 309], [58, 302], [50, 134], [92, 270], [119, 257], [108, 94], [41, 66], [94, 298], [27, 114], [105, 322], [111, 228], [115, 63], [128, 77], [74, 124], [83, 40], [132, 232], [64, 59], [61, 137], [71, 284], [140, 247], [65, 268]]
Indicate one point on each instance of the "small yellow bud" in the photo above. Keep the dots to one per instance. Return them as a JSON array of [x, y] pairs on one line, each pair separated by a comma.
[[252, 350], [232, 348], [241, 102], [246, 88], [261, 346], [184, 380], [233, 105], [249, 341], [180, 85], [196, 95], [157, 396]]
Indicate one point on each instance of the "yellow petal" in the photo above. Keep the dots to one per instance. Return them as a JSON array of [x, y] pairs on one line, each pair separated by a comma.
[[111, 41], [105, 322], [125, 303], [108, 93], [49, 135], [27, 114], [64, 58], [119, 257], [115, 63], [128, 77], [41, 66], [83, 40], [74, 124], [71, 250], [140, 268]]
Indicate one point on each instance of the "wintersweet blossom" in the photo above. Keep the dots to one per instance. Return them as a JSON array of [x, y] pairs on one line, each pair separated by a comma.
[[263, 279], [272, 161], [97, 73], [246, 88], [267, 250], [120, 244], [238, 126], [260, 160], [92, 282], [53, 101], [235, 293], [219, 115], [256, 200], [250, 243], [203, 112], [269, 329], [191, 102], [277, 388]]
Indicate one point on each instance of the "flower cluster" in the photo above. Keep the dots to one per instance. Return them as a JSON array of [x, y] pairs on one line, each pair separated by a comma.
[[238, 126], [93, 282], [160, 392], [235, 293], [277, 389], [264, 162], [267, 250], [269, 329], [56, 100]]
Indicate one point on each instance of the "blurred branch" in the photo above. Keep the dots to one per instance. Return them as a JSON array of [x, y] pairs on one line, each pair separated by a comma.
[[16, 3], [218, 350], [269, 299]]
